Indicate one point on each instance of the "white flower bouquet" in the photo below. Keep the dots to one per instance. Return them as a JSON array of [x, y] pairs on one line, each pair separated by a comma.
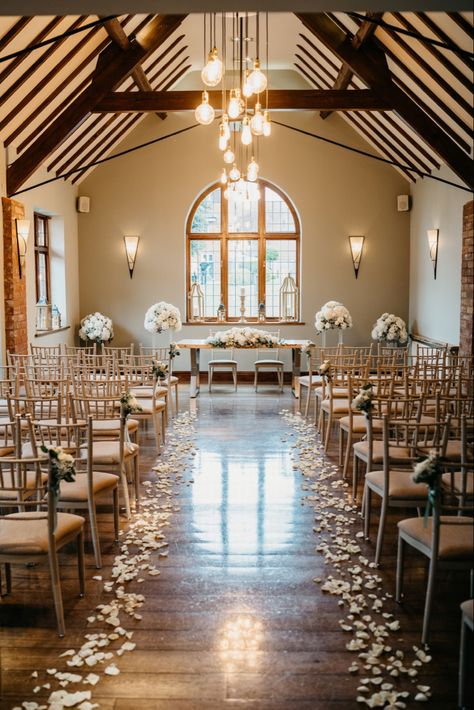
[[243, 338], [362, 402], [160, 369], [390, 328], [96, 328], [128, 405], [325, 370], [62, 467], [162, 316], [331, 316]]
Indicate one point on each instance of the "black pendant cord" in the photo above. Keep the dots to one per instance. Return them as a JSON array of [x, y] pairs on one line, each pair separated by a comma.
[[416, 35], [409, 168], [64, 176], [45, 42]]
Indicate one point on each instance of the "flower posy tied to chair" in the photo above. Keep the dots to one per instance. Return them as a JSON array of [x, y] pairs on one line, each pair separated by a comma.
[[162, 316], [325, 370], [97, 328], [160, 369], [429, 471], [362, 402], [62, 467], [128, 405], [390, 328], [331, 316]]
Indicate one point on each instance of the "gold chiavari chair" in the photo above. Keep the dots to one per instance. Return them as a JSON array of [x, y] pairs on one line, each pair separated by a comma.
[[394, 484], [120, 456], [171, 382], [142, 382], [445, 538], [32, 535], [312, 380], [335, 401], [45, 352]]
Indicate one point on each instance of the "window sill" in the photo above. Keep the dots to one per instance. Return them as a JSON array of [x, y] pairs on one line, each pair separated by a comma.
[[249, 323], [41, 333]]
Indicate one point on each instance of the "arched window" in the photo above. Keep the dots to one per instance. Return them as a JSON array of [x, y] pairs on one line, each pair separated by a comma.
[[242, 247]]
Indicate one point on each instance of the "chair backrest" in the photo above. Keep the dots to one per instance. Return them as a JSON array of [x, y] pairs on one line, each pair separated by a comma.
[[100, 388], [118, 353], [313, 357], [45, 352], [220, 353], [270, 353]]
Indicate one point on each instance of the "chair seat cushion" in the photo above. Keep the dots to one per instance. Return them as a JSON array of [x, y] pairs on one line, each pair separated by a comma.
[[31, 482], [400, 485], [78, 490], [111, 427], [457, 482], [455, 540], [223, 363], [150, 406], [269, 363], [173, 380], [339, 406], [147, 391], [359, 424], [27, 533], [7, 450], [107, 453], [315, 380], [397, 454]]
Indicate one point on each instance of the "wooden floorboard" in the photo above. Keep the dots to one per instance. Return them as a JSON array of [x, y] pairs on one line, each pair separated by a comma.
[[241, 544]]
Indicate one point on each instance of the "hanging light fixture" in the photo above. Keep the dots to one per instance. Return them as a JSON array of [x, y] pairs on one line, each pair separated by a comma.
[[222, 138], [246, 136], [204, 113], [236, 105], [252, 170], [256, 124], [247, 89], [225, 125], [229, 156], [234, 173], [257, 79], [224, 177], [267, 125], [211, 74]]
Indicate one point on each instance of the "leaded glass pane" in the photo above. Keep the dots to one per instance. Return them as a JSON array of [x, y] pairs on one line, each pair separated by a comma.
[[207, 218], [205, 265], [280, 260], [243, 274], [278, 217], [243, 215]]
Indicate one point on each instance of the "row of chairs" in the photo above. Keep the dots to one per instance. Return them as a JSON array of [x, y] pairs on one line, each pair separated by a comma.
[[416, 408]]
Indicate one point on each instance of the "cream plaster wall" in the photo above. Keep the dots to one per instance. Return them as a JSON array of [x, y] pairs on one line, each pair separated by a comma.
[[435, 304], [336, 193], [57, 200]]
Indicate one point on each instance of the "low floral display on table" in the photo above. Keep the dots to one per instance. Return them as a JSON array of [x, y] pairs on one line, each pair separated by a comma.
[[96, 328], [243, 338], [332, 315], [390, 328], [162, 316]]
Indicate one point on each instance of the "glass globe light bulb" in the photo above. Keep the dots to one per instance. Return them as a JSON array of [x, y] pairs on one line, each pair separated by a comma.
[[267, 124], [256, 123], [246, 136], [252, 170], [224, 177], [257, 78], [234, 173], [222, 138], [247, 86], [225, 125], [204, 113], [236, 105], [211, 74], [229, 156]]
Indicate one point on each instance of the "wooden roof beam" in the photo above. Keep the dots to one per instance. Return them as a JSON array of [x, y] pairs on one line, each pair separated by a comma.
[[366, 64], [345, 75], [116, 33], [120, 65], [278, 100]]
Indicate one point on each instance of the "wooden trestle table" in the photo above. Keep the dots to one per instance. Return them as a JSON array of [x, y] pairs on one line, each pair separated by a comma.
[[195, 347]]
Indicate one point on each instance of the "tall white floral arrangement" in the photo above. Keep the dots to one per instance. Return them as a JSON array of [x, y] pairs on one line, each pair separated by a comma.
[[97, 328], [162, 316], [390, 328], [332, 315]]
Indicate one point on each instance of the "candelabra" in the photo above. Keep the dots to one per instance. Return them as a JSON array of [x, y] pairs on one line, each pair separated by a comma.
[[242, 307]]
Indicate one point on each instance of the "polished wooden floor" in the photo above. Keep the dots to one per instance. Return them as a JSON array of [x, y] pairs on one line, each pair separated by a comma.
[[242, 561]]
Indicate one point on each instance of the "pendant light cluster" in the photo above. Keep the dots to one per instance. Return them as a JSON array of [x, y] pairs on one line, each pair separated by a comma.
[[239, 128]]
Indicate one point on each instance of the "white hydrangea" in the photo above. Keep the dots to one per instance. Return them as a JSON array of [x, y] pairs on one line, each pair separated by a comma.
[[390, 328], [162, 316], [243, 338], [97, 328], [331, 316]]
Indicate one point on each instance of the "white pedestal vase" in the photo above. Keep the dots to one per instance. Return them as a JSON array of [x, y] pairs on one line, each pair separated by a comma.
[[340, 336]]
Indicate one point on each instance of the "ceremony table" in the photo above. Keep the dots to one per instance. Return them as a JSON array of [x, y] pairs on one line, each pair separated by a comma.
[[195, 346]]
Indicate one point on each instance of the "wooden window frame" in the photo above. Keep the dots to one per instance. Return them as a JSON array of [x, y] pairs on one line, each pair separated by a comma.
[[224, 237], [45, 250]]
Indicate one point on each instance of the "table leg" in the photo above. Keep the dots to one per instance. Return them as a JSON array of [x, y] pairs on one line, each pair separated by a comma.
[[194, 382], [296, 361]]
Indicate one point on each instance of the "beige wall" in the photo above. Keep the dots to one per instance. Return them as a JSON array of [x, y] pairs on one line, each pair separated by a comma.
[[336, 193], [435, 304]]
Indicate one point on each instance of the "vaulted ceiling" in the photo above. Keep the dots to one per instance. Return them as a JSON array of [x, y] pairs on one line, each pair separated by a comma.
[[411, 73]]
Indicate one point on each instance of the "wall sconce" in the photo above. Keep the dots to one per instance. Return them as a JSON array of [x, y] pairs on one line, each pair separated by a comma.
[[356, 244], [131, 248], [22, 234], [433, 239]]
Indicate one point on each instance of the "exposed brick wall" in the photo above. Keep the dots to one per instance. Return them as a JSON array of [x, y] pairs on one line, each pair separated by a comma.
[[466, 346], [16, 337]]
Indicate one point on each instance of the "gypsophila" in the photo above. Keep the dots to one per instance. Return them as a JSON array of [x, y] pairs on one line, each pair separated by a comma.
[[97, 328]]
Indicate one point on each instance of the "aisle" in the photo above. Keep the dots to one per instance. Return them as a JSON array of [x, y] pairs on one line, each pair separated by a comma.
[[235, 617]]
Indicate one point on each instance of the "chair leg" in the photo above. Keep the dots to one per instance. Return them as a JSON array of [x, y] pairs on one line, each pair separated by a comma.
[[308, 401], [367, 497], [94, 533], [282, 379], [156, 426], [126, 498], [355, 476], [347, 455], [209, 377], [8, 578], [429, 601], [164, 422], [328, 432], [80, 563], [136, 479], [56, 587], [116, 513], [234, 374], [462, 664], [176, 397], [255, 379], [381, 531], [340, 445], [400, 569]]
